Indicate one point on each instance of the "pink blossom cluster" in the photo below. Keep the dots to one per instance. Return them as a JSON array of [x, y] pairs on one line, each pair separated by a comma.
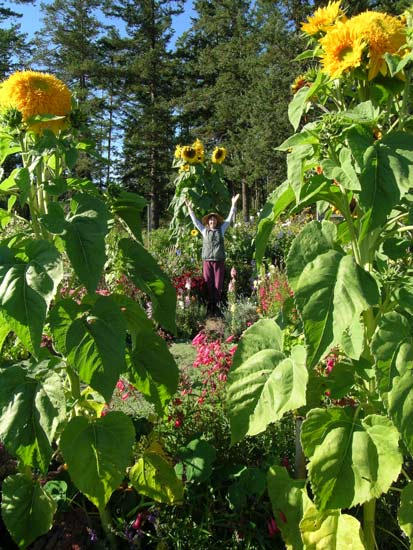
[[213, 356]]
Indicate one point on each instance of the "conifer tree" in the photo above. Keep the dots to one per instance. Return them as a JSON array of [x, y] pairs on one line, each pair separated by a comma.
[[14, 45], [147, 99]]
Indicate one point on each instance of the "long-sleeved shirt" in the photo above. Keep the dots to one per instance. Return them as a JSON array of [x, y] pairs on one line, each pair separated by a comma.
[[202, 228]]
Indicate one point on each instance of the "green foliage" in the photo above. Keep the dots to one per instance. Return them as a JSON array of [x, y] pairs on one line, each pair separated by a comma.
[[74, 340], [351, 152]]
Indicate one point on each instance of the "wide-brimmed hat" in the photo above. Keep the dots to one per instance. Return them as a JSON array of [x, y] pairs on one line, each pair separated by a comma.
[[205, 219]]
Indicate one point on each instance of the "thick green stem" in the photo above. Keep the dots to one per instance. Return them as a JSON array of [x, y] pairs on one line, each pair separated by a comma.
[[105, 519], [369, 521], [404, 111]]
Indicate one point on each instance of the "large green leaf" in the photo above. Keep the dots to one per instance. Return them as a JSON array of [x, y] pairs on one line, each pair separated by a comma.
[[195, 461], [97, 453], [264, 334], [392, 349], [405, 515], [331, 290], [151, 366], [153, 369], [343, 172], [330, 530], [26, 508], [28, 281], [387, 175], [296, 167], [60, 319], [279, 200], [286, 496], [96, 346], [143, 270], [32, 406], [154, 476], [264, 387], [351, 461], [83, 231], [128, 207]]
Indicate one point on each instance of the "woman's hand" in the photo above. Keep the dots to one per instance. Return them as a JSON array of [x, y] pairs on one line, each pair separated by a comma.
[[188, 203], [234, 199]]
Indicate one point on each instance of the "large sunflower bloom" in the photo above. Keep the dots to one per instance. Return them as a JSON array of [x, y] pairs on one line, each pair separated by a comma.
[[199, 148], [383, 34], [189, 154], [323, 19], [35, 93], [343, 50], [218, 155]]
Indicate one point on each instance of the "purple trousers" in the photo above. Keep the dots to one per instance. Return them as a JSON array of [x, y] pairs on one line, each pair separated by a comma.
[[214, 278]]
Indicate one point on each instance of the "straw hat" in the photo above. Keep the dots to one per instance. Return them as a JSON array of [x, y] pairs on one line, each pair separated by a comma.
[[205, 219]]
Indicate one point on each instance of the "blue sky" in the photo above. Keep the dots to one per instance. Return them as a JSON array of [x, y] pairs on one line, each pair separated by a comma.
[[31, 20]]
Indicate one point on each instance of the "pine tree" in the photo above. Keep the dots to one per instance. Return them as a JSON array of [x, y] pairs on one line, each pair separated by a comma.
[[215, 56], [14, 46], [147, 100]]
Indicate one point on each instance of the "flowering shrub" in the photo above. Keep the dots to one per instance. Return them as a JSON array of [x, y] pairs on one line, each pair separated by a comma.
[[272, 292]]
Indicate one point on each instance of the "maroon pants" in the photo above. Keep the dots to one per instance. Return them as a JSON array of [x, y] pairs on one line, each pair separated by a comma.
[[214, 278]]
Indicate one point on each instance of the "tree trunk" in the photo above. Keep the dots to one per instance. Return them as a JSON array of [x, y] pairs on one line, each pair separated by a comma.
[[245, 202]]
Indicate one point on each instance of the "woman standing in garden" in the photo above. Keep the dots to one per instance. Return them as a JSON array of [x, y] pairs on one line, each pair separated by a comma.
[[212, 228]]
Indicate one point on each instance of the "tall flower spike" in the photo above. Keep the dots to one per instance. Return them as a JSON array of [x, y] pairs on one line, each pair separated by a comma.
[[36, 93]]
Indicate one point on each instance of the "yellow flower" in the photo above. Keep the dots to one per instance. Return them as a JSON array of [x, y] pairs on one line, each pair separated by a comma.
[[178, 151], [184, 168], [218, 155], [194, 233], [343, 50], [323, 19], [189, 154], [383, 34], [35, 93], [299, 82], [199, 148]]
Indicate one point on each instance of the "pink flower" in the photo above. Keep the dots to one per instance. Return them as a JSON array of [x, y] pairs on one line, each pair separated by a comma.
[[272, 527], [233, 272], [120, 385], [138, 521], [229, 339], [125, 396]]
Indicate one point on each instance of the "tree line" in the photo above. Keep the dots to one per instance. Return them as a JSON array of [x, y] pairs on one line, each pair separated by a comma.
[[226, 80]]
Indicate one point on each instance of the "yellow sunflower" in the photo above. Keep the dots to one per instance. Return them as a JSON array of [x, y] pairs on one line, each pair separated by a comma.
[[184, 168], [178, 151], [323, 19], [343, 50], [35, 93], [199, 148], [189, 154], [383, 34], [194, 233], [299, 82], [218, 155]]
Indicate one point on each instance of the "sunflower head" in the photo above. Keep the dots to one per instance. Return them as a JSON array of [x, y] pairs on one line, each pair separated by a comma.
[[184, 168], [323, 19], [218, 155], [178, 151], [343, 50], [189, 154], [199, 148], [383, 34], [299, 82], [194, 233], [35, 93]]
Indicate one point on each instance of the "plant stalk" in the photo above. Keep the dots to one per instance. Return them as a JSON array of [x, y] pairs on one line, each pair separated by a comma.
[[369, 516], [105, 519]]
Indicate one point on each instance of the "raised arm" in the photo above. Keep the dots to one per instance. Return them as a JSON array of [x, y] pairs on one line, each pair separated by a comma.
[[195, 221]]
